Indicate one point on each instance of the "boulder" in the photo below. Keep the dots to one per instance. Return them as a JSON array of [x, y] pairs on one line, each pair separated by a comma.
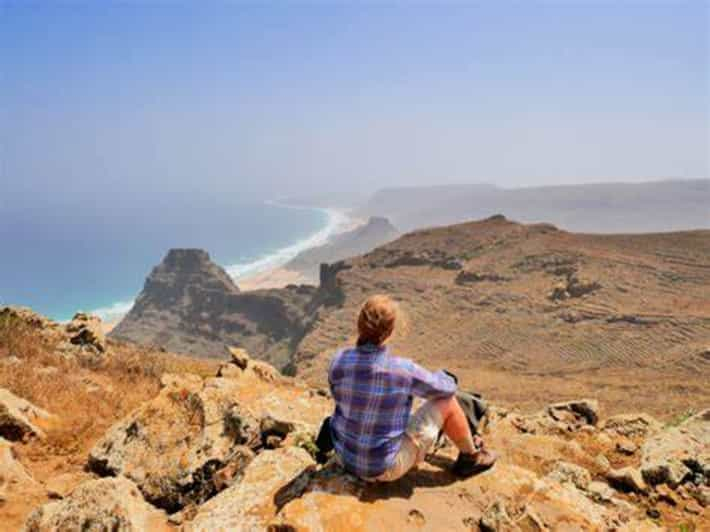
[[627, 479], [575, 413], [13, 476], [173, 445], [632, 425], [250, 503], [87, 330], [626, 446], [240, 357], [679, 454], [113, 504], [568, 472], [20, 419]]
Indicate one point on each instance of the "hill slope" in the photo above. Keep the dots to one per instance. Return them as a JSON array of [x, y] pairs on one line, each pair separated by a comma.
[[528, 312]]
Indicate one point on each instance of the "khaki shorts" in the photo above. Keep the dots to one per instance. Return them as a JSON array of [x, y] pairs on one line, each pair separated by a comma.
[[422, 430]]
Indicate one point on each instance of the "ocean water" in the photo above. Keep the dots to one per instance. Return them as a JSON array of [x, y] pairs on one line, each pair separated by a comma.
[[59, 265]]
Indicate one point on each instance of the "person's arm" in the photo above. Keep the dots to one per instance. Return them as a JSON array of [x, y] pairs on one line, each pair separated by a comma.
[[431, 385]]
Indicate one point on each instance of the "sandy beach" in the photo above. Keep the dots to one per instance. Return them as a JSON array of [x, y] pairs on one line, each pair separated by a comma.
[[280, 276]]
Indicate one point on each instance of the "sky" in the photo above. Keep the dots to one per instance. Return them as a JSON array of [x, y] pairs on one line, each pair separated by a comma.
[[107, 107]]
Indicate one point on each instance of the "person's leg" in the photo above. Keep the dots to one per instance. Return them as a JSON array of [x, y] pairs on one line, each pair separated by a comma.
[[472, 458], [455, 424]]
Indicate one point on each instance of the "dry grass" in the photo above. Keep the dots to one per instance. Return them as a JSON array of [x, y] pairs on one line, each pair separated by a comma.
[[87, 396]]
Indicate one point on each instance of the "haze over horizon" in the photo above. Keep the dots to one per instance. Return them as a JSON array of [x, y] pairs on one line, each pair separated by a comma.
[[123, 108]]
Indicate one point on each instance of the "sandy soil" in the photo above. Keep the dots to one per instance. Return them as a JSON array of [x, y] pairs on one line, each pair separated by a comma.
[[275, 278]]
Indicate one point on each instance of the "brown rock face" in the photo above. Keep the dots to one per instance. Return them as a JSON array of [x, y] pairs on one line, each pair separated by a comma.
[[20, 419], [173, 445], [108, 504], [190, 305]]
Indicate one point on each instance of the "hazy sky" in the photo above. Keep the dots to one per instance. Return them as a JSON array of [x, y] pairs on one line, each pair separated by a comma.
[[105, 107]]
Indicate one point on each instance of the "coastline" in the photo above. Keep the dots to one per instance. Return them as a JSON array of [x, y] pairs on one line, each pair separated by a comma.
[[267, 271], [277, 276]]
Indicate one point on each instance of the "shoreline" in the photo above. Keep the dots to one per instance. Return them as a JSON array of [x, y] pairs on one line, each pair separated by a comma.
[[267, 271], [278, 276]]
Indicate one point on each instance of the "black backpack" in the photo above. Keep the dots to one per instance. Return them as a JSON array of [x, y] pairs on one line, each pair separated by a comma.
[[473, 406]]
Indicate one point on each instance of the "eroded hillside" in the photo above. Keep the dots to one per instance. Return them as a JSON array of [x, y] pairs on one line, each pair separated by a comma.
[[529, 313]]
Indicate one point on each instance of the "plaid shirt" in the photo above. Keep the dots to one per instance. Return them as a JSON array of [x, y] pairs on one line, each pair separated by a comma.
[[373, 399]]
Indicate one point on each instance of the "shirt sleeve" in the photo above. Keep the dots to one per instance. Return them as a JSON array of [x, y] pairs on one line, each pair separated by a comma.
[[431, 385]]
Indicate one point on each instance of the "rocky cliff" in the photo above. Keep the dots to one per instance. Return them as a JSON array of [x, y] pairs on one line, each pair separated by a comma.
[[190, 305]]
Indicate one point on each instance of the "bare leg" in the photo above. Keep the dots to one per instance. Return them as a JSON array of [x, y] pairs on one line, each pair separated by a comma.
[[455, 424]]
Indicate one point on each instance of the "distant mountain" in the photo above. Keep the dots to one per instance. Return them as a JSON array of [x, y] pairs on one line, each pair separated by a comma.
[[190, 305], [375, 232], [599, 208]]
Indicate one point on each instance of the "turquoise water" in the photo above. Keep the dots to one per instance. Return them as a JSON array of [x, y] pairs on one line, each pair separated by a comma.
[[86, 262]]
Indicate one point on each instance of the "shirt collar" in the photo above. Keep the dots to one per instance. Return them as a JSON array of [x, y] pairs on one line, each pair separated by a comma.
[[371, 348]]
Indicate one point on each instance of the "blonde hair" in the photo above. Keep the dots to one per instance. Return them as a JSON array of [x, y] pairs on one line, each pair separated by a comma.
[[376, 320]]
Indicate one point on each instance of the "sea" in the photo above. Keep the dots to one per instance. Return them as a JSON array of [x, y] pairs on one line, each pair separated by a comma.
[[61, 266]]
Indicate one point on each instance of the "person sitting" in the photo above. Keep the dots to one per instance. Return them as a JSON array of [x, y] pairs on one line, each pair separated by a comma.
[[374, 435]]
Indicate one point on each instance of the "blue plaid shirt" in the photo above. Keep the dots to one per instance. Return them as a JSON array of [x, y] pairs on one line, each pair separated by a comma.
[[373, 398]]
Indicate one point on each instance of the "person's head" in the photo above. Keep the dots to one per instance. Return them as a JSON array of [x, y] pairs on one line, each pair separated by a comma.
[[376, 321]]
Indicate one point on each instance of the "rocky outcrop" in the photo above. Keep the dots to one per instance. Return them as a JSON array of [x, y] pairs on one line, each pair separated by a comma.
[[680, 454], [173, 445], [113, 504], [250, 504], [86, 330], [190, 305], [20, 419]]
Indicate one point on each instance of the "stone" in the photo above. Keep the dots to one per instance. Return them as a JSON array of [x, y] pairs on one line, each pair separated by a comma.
[[632, 425], [568, 472], [627, 479], [229, 371], [626, 446], [172, 446], [113, 504], [602, 462], [575, 413], [495, 518], [240, 357], [667, 494], [249, 504], [275, 427], [20, 419], [692, 507], [600, 492], [87, 330], [678, 454]]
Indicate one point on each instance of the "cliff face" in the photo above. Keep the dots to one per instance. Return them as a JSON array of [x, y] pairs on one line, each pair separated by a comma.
[[190, 305]]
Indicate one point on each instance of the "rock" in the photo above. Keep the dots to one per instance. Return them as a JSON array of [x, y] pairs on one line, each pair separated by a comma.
[[578, 287], [576, 413], [172, 445], [20, 419], [240, 357], [679, 453], [13, 476], [602, 462], [627, 479], [61, 485], [186, 381], [113, 504], [87, 330], [626, 446], [229, 371], [600, 492], [692, 507], [275, 427], [495, 518], [249, 504], [700, 494], [264, 371], [568, 472], [632, 425], [666, 494]]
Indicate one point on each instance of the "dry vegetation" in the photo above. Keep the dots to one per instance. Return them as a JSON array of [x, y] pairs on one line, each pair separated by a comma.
[[87, 395]]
